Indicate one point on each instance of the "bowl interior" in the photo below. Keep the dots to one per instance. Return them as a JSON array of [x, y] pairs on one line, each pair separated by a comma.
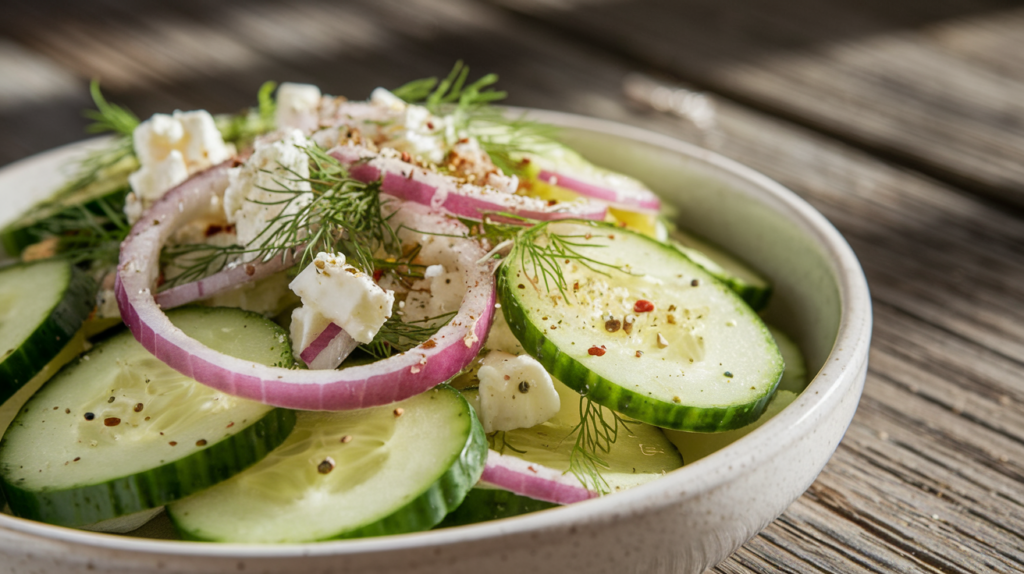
[[737, 208]]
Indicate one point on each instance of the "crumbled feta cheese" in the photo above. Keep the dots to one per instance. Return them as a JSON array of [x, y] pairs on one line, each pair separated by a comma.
[[298, 107], [414, 130], [275, 167], [170, 148], [515, 392], [305, 327], [344, 295]]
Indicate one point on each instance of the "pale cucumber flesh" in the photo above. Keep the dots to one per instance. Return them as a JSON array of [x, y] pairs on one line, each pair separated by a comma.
[[42, 306], [638, 453], [700, 359], [118, 431], [383, 470]]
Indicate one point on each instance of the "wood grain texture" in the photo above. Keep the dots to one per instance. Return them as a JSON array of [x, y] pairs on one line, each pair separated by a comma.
[[929, 477], [935, 85]]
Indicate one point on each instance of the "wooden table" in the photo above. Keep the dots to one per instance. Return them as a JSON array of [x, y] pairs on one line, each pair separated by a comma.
[[903, 122]]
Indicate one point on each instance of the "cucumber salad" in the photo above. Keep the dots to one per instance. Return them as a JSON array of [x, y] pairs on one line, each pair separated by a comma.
[[323, 318]]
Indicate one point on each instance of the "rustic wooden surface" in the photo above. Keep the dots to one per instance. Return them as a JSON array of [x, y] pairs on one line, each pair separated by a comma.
[[903, 122]]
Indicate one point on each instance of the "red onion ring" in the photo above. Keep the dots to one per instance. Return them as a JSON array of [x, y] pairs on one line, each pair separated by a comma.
[[406, 181], [392, 379], [533, 480], [221, 281], [626, 194], [329, 348]]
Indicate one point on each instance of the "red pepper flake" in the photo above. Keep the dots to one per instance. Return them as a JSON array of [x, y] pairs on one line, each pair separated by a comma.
[[405, 156], [111, 421], [430, 125], [552, 202], [211, 230], [597, 351], [377, 274], [576, 286], [643, 306]]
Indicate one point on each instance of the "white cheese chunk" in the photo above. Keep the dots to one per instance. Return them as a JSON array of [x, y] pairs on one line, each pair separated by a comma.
[[277, 173], [305, 327], [414, 129], [515, 392], [170, 148], [152, 181], [346, 296], [298, 107]]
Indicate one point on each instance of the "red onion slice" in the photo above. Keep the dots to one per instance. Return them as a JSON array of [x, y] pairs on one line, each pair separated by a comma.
[[221, 281], [613, 188], [396, 378], [533, 480], [329, 348], [406, 181]]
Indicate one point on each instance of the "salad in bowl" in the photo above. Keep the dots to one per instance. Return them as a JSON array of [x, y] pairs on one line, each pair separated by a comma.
[[325, 318]]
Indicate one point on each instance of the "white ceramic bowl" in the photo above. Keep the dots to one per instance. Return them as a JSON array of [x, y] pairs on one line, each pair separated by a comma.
[[685, 522]]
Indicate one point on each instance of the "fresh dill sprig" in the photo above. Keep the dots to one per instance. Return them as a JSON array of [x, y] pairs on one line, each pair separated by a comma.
[[540, 250], [469, 108], [397, 336], [240, 129], [338, 214], [595, 436], [498, 441], [90, 233]]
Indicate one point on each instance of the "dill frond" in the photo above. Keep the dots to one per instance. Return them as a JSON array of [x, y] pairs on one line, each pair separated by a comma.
[[397, 336], [595, 436]]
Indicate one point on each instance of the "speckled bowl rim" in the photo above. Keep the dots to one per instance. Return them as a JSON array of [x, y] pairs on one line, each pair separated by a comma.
[[843, 365]]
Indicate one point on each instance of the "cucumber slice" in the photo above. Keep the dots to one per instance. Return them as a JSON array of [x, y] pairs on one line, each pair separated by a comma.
[[700, 360], [118, 432], [42, 306], [483, 504], [401, 471], [639, 454], [695, 446], [794, 378], [110, 189], [741, 278]]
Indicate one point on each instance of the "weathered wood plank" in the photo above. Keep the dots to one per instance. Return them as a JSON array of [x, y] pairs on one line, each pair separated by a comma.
[[934, 84], [929, 476]]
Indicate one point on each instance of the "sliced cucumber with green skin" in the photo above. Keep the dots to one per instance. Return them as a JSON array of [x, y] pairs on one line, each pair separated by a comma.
[[483, 504], [695, 446], [118, 432], [794, 378], [695, 356], [741, 278], [31, 227], [42, 305], [403, 468], [639, 454]]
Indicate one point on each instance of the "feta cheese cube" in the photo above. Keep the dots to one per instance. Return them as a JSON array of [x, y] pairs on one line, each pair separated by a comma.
[[515, 392], [170, 148], [151, 181], [344, 295], [277, 173], [298, 107]]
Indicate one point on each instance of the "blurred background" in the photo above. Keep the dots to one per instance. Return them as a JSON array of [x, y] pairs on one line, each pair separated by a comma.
[[935, 85], [901, 120]]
